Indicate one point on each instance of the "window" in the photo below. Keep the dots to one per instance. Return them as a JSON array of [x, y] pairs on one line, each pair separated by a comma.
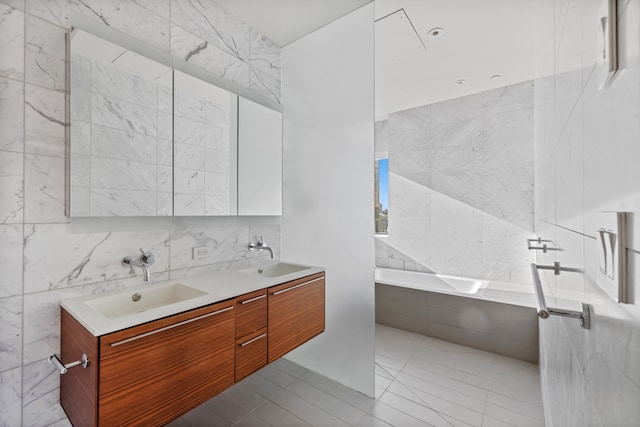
[[381, 199]]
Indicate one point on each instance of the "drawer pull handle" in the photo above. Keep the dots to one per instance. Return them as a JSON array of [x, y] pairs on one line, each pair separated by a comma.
[[247, 301], [253, 340], [166, 328], [296, 286]]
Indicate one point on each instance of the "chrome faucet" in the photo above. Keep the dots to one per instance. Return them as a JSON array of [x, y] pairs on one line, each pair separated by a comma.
[[261, 246], [146, 259]]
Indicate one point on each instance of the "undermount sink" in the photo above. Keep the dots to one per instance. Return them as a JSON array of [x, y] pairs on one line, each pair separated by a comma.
[[127, 303], [274, 270]]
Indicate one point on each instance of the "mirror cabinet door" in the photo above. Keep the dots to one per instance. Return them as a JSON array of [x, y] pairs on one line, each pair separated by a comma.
[[148, 140], [260, 159], [205, 148], [120, 146]]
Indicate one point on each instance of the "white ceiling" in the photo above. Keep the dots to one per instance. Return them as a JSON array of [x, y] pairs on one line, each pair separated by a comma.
[[481, 38], [284, 21]]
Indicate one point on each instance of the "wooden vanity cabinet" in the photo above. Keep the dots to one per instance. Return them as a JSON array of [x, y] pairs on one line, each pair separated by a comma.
[[150, 374], [171, 365], [296, 314], [251, 333]]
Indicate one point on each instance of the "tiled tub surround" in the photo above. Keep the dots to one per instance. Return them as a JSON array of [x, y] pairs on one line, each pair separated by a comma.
[[500, 318], [43, 255], [461, 186], [587, 155]]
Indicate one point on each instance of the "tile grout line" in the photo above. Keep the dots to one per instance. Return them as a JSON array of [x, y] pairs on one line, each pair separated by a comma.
[[24, 143]]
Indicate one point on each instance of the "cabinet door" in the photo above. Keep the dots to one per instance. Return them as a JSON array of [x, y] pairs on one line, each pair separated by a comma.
[[259, 159], [153, 373], [296, 314]]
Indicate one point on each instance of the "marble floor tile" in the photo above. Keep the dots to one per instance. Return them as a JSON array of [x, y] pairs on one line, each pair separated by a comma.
[[433, 394]]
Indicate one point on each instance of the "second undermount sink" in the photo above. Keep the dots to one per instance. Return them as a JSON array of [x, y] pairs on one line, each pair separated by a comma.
[[127, 303], [274, 270]]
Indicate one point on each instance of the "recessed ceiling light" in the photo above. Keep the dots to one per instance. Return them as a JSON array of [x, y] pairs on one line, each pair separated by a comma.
[[496, 77], [435, 32], [460, 82]]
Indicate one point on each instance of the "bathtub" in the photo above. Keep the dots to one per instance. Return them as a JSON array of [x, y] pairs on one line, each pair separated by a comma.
[[431, 282], [488, 315]]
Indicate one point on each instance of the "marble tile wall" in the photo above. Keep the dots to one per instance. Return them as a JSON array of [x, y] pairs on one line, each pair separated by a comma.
[[461, 186], [586, 161], [43, 254]]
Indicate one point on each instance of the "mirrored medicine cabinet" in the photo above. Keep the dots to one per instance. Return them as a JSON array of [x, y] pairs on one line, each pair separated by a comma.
[[148, 138]]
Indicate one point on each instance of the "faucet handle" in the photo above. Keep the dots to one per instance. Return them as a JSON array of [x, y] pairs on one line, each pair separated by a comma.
[[147, 257], [261, 242]]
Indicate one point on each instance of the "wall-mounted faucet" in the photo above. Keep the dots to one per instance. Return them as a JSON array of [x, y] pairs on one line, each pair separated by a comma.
[[146, 259], [261, 246]]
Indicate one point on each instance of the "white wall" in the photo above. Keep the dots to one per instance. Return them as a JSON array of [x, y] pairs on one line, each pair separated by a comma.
[[328, 97], [586, 161]]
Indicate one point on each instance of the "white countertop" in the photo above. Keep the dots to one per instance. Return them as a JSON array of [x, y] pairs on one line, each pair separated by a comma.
[[219, 286]]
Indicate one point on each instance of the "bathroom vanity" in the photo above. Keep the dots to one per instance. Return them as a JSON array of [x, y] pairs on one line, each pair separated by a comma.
[[149, 367]]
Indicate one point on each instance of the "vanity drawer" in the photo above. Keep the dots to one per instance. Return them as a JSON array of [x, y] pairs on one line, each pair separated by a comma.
[[251, 353], [251, 312]]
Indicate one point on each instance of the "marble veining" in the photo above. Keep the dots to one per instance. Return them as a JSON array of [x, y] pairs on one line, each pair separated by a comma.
[[122, 144], [217, 114], [265, 84], [226, 243], [265, 55], [112, 112], [464, 161], [216, 161], [84, 257], [188, 131], [111, 81], [188, 106], [209, 56], [188, 156], [45, 54], [10, 256], [11, 115], [11, 42], [119, 202], [188, 204], [217, 204], [214, 24], [11, 187], [11, 386], [188, 181], [44, 121], [11, 330], [40, 395], [123, 174], [137, 21], [44, 189]]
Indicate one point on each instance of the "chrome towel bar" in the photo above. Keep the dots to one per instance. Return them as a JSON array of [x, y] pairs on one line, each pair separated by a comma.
[[584, 316], [54, 359]]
